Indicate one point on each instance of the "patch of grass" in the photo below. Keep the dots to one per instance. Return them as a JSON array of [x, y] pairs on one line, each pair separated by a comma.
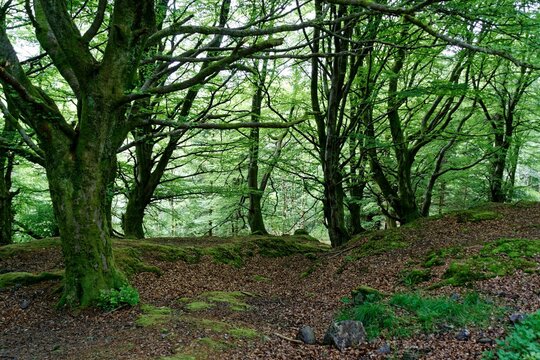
[[522, 344], [153, 315], [498, 258], [26, 278], [404, 315], [414, 277]]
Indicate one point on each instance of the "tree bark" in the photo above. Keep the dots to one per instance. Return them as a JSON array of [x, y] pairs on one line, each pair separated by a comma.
[[6, 196]]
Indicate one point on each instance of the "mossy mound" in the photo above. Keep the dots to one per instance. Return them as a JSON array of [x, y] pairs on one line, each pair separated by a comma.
[[233, 300], [222, 328], [380, 242], [25, 278], [438, 257], [476, 215], [498, 258], [130, 261], [11, 250]]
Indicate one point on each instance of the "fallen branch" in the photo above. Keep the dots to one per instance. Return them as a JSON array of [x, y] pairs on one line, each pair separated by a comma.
[[288, 338]]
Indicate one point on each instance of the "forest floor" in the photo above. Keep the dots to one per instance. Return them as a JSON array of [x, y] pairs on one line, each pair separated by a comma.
[[241, 298]]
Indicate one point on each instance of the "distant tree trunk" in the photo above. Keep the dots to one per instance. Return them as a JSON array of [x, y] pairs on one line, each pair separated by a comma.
[[6, 196], [255, 217]]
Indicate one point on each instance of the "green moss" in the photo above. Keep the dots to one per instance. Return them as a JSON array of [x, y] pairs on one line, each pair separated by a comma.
[[233, 299], [226, 254], [7, 251], [438, 257], [498, 258], [214, 345], [198, 306], [25, 278], [285, 246], [380, 242], [243, 333], [476, 215], [129, 261], [153, 315], [414, 277]]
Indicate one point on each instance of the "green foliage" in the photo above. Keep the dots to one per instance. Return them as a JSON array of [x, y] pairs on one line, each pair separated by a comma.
[[522, 344], [406, 314], [112, 299], [498, 258]]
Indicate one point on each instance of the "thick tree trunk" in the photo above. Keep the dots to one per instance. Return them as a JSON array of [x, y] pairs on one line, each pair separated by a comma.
[[497, 193], [355, 207], [79, 178], [133, 218]]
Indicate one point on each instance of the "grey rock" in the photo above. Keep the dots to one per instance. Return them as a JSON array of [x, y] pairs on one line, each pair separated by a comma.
[[463, 335], [455, 297], [385, 349], [345, 334], [516, 318], [306, 335], [24, 304]]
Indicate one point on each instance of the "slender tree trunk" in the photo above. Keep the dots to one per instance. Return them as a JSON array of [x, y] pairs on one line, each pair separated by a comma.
[[255, 217], [498, 165], [6, 197]]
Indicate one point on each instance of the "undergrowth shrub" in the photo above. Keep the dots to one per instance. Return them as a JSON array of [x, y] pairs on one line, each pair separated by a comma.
[[113, 299], [522, 344]]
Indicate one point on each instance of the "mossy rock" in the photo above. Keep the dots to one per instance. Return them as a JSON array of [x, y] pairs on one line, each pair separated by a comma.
[[226, 254], [26, 278], [152, 315], [363, 293]]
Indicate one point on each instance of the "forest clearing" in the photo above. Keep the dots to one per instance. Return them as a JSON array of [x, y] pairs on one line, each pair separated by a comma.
[[215, 298]]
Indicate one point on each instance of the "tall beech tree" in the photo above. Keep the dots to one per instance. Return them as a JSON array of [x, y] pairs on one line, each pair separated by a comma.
[[80, 160]]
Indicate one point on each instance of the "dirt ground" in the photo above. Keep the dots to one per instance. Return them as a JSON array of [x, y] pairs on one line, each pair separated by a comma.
[[276, 296]]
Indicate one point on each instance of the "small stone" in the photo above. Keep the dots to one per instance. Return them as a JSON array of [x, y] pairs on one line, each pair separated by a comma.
[[306, 335], [455, 297], [516, 318], [24, 304], [463, 335], [385, 349], [345, 334], [485, 340]]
